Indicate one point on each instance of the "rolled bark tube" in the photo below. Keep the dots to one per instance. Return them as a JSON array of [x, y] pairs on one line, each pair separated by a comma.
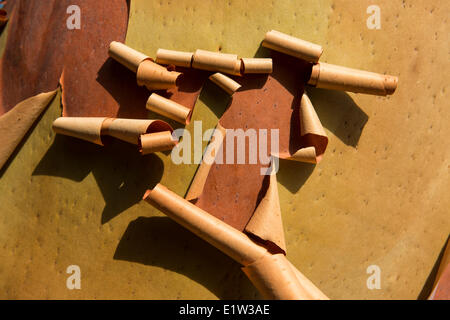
[[158, 141], [257, 65], [16, 122], [238, 68], [334, 77], [265, 276], [219, 234], [309, 121], [280, 282], [155, 77], [91, 129], [168, 108], [227, 84], [130, 130], [292, 46], [85, 128], [215, 61], [177, 58], [312, 290], [231, 242], [125, 55], [275, 279]]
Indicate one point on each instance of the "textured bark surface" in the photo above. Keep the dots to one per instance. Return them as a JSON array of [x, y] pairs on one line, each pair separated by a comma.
[[379, 196]]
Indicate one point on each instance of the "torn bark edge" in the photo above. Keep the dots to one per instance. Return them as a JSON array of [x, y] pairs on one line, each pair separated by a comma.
[[224, 82], [292, 46], [61, 85], [199, 180], [266, 225], [17, 123], [313, 136], [156, 142]]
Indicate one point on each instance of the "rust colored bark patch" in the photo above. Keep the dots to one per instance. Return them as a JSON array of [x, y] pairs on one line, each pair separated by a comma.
[[40, 47], [232, 191], [443, 287], [42, 51]]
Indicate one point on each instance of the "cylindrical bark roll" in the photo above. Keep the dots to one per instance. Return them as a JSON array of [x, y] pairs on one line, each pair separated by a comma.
[[155, 77], [130, 130], [238, 68], [219, 234], [273, 276], [215, 61], [314, 75], [127, 56], [177, 58], [168, 108], [292, 46], [257, 65], [158, 141], [85, 128], [312, 290], [330, 76], [227, 84]]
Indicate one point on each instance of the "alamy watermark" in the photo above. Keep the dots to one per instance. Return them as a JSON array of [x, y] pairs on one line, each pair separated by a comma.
[[74, 20], [374, 20], [74, 280], [374, 280], [238, 151]]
